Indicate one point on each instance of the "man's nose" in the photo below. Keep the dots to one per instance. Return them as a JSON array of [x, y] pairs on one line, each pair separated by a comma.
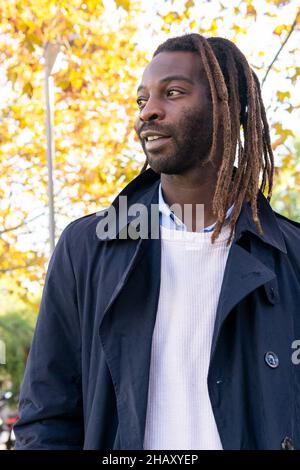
[[152, 110]]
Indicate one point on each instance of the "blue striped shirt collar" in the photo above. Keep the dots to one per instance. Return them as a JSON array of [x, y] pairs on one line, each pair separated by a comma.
[[170, 220]]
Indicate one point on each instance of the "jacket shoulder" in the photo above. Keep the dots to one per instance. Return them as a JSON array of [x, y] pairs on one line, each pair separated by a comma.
[[290, 230], [80, 228], [79, 239], [288, 224]]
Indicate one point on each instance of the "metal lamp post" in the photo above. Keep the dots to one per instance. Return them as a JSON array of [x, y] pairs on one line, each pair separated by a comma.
[[51, 52]]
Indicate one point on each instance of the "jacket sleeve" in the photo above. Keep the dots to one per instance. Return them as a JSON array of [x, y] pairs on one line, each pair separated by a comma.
[[50, 403]]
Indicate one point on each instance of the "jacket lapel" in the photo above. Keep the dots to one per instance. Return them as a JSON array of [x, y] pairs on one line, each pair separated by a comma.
[[243, 274], [127, 325], [248, 269], [126, 334]]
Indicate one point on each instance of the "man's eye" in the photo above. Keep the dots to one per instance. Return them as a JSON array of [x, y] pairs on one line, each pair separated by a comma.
[[173, 90], [140, 101]]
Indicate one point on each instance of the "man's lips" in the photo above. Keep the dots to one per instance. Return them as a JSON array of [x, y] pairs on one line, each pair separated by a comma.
[[157, 143], [149, 134]]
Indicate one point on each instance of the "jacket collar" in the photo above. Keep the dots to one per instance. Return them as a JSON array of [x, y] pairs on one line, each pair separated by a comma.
[[272, 234], [144, 189]]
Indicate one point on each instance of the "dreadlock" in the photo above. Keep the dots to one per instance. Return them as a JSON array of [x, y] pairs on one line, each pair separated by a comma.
[[236, 85]]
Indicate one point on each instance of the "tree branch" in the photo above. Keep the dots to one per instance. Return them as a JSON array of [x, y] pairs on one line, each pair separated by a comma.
[[24, 266], [280, 49], [25, 222]]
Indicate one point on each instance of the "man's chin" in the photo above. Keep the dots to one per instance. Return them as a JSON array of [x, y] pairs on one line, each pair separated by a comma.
[[165, 168], [170, 164]]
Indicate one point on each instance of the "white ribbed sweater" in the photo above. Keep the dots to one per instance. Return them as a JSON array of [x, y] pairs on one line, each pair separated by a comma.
[[179, 412]]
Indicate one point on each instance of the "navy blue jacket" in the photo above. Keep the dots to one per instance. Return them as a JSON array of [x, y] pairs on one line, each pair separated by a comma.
[[86, 379]]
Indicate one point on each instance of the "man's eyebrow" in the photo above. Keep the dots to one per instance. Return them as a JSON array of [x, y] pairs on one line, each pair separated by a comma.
[[169, 78]]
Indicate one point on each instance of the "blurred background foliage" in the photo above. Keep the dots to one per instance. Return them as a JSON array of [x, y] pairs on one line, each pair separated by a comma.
[[104, 47], [16, 329]]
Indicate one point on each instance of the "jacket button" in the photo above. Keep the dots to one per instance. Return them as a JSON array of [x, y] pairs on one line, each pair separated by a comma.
[[271, 359], [287, 444]]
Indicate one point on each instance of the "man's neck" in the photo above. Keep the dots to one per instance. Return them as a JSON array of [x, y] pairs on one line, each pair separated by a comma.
[[193, 188]]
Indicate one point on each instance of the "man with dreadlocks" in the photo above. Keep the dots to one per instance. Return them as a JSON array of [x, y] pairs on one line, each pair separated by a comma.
[[214, 131], [189, 339]]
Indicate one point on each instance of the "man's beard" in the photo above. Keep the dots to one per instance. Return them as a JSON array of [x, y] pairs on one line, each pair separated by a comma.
[[189, 147]]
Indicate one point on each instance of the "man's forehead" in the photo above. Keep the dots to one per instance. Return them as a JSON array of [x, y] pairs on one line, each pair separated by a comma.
[[179, 63]]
